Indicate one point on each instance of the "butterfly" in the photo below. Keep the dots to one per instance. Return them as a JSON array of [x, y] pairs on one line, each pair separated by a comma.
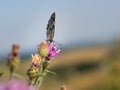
[[51, 28]]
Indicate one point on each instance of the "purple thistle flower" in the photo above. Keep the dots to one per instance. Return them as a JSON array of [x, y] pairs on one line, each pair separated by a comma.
[[53, 51]]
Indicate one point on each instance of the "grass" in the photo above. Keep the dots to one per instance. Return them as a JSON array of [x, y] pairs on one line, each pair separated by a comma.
[[79, 69]]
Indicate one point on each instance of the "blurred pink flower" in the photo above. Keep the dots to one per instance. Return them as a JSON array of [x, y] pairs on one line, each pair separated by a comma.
[[15, 84], [13, 58]]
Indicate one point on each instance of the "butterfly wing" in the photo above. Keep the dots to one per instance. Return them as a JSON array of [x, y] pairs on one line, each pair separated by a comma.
[[51, 28]]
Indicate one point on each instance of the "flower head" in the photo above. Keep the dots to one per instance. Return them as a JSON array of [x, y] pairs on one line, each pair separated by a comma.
[[13, 58], [36, 59], [32, 74], [14, 53], [15, 49], [43, 49], [63, 88], [53, 51]]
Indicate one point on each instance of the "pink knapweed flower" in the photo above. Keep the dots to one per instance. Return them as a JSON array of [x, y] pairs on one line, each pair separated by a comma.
[[53, 51]]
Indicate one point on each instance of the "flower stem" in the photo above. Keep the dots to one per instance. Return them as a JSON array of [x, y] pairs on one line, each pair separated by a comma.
[[40, 81], [40, 77]]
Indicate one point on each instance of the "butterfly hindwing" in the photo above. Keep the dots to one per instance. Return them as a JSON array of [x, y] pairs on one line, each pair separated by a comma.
[[51, 28]]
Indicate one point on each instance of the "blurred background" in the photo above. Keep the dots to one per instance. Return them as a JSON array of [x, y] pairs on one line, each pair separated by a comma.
[[88, 30]]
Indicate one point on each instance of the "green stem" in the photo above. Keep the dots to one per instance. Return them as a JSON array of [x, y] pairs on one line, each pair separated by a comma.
[[40, 78], [40, 82], [1, 73]]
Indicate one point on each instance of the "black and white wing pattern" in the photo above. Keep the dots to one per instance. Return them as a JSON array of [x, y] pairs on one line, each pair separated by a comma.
[[51, 28]]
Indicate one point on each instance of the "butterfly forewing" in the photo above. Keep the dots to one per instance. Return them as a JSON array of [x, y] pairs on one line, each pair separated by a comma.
[[51, 28]]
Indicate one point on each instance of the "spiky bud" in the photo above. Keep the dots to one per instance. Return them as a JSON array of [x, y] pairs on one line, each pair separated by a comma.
[[13, 58], [43, 49], [36, 60], [32, 74]]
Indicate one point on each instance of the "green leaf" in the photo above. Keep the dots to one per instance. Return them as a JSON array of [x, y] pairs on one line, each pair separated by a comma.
[[17, 75], [51, 72], [44, 73], [50, 61], [1, 74]]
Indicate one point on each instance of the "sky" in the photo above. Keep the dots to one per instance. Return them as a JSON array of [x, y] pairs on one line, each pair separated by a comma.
[[24, 21]]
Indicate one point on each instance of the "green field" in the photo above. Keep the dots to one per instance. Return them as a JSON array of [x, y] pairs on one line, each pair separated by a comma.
[[91, 68]]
